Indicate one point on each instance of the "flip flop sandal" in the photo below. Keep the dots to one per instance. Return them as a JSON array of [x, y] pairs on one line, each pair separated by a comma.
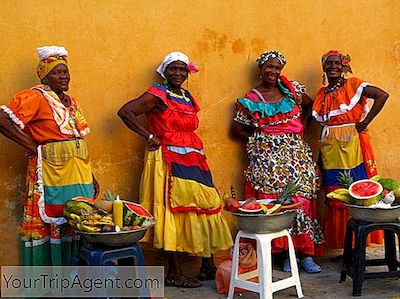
[[182, 281], [309, 266]]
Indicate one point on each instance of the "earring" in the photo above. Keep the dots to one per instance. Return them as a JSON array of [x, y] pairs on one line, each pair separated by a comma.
[[165, 82], [323, 79]]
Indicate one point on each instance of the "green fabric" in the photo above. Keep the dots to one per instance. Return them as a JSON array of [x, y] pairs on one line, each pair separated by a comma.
[[270, 109], [47, 254]]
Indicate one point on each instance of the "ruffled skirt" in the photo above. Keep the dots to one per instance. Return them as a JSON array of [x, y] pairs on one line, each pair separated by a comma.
[[190, 232]]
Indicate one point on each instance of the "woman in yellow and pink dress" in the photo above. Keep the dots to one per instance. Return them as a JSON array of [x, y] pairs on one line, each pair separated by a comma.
[[342, 108]]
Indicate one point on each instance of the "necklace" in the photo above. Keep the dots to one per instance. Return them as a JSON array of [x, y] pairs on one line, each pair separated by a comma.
[[175, 94], [336, 86]]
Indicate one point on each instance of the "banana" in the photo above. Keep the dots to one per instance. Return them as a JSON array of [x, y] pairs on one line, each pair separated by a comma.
[[87, 228], [376, 178], [342, 191], [264, 207], [93, 217], [75, 217]]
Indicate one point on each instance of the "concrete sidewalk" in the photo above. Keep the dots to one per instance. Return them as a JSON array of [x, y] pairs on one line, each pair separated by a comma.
[[323, 285]]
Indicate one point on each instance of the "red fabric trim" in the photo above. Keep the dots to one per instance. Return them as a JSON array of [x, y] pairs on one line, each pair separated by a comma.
[[190, 159], [285, 81], [195, 209], [54, 210]]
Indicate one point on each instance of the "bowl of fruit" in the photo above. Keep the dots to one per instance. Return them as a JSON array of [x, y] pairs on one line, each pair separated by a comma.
[[265, 215], [123, 222]]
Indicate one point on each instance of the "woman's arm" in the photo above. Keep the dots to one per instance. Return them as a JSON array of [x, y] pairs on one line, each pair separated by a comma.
[[129, 114], [9, 130], [380, 96], [306, 105], [241, 132]]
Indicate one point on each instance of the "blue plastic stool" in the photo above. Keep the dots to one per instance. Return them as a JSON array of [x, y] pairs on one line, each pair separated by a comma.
[[103, 256], [98, 256]]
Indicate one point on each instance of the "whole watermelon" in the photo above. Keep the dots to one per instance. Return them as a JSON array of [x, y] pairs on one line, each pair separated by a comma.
[[389, 184]]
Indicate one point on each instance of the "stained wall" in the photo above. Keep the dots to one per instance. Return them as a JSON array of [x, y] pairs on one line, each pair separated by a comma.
[[115, 47]]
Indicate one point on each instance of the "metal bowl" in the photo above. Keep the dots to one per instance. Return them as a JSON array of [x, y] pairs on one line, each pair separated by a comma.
[[114, 239], [368, 214], [262, 223]]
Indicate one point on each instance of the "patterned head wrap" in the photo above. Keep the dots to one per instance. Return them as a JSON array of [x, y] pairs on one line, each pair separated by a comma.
[[344, 58], [176, 56], [264, 57], [50, 57]]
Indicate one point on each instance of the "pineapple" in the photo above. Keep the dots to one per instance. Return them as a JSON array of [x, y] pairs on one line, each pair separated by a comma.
[[345, 179], [287, 192]]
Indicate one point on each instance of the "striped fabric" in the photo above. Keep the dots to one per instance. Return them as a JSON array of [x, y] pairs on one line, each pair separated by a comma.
[[192, 187], [65, 173]]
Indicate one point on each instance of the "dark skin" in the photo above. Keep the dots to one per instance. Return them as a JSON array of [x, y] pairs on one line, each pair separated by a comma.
[[58, 79], [269, 73], [334, 70], [176, 74]]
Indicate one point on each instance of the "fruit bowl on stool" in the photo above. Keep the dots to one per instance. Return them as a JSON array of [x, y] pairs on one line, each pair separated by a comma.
[[114, 239], [374, 214], [262, 223]]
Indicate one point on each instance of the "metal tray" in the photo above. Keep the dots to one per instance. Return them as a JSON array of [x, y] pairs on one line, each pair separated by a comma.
[[368, 214], [262, 223], [114, 239]]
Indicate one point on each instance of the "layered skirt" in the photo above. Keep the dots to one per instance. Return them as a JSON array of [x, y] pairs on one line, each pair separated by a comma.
[[59, 172], [188, 224]]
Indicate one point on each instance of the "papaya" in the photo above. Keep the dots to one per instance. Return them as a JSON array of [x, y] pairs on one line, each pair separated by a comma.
[[232, 204]]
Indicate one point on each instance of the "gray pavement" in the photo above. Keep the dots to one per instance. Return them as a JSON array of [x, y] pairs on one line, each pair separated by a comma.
[[323, 285]]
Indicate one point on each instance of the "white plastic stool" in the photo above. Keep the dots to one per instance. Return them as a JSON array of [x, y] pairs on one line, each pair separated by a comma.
[[265, 287]]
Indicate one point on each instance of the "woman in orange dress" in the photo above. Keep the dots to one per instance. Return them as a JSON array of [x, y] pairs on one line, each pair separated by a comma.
[[49, 124], [342, 108]]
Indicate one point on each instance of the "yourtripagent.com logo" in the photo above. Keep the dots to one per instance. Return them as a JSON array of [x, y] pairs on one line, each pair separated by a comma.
[[82, 281]]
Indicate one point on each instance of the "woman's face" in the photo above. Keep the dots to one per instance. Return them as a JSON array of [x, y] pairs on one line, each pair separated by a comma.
[[271, 70], [176, 73], [333, 67], [58, 78]]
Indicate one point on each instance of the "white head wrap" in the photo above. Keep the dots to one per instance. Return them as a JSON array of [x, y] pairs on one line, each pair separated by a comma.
[[170, 58], [51, 51], [264, 57]]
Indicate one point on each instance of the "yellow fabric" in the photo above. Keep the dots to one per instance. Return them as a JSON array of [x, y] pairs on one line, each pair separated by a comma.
[[338, 154], [187, 193], [61, 161], [198, 234], [45, 66]]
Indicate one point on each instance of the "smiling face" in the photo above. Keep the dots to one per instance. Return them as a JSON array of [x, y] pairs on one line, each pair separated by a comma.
[[271, 70], [176, 73], [58, 78], [333, 67]]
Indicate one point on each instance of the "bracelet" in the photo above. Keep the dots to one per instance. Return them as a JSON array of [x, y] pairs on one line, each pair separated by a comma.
[[151, 136]]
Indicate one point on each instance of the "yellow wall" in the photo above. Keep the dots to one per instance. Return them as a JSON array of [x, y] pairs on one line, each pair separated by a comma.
[[115, 47]]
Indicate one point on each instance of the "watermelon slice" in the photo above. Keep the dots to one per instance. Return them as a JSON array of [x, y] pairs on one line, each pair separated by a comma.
[[135, 214], [366, 192]]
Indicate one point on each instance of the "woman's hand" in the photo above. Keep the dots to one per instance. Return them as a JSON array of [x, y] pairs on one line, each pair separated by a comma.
[[361, 126], [96, 187], [153, 143]]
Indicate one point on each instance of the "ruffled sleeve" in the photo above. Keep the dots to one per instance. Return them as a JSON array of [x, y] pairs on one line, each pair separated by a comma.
[[243, 118], [24, 107]]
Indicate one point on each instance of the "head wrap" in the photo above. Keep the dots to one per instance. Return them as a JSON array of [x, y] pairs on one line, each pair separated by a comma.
[[50, 57], [264, 57], [344, 58], [176, 56]]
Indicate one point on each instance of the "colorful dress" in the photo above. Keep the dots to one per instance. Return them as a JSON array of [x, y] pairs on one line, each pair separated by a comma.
[[277, 156], [176, 184], [342, 149], [60, 171]]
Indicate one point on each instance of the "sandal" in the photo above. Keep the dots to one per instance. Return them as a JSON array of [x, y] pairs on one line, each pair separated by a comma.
[[182, 281], [207, 274], [286, 265], [308, 265]]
